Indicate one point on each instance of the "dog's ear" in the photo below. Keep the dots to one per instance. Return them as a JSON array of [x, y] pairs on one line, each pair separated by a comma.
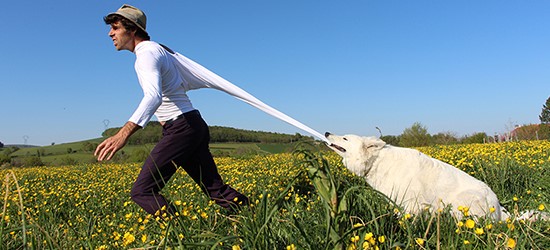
[[372, 143]]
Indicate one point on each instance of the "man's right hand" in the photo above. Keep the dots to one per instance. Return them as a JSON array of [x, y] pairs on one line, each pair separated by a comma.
[[107, 149]]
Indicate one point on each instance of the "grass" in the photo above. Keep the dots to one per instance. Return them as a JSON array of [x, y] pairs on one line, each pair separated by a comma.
[[306, 200]]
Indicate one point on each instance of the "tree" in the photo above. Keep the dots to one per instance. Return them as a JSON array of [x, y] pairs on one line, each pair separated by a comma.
[[445, 138], [1, 144], [475, 138], [415, 136], [545, 113], [390, 139], [544, 128]]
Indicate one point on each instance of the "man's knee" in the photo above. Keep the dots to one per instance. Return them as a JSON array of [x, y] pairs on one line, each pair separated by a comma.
[[136, 194]]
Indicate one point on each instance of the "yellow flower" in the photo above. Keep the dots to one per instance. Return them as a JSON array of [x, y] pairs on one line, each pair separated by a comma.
[[541, 207], [419, 241], [489, 226], [470, 223], [291, 247], [370, 238], [382, 239], [116, 236], [492, 209], [511, 243], [355, 239], [128, 239], [466, 242], [357, 225], [515, 198], [144, 238], [236, 247], [479, 231]]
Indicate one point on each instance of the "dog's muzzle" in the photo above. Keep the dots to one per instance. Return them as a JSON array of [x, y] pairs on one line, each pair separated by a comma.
[[341, 149]]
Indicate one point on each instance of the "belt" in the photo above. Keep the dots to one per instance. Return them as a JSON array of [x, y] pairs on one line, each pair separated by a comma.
[[181, 116]]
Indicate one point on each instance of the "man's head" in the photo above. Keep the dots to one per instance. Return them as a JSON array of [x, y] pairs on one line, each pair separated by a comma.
[[128, 26]]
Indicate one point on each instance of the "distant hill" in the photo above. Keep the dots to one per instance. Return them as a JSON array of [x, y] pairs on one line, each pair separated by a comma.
[[20, 146], [218, 134], [225, 141]]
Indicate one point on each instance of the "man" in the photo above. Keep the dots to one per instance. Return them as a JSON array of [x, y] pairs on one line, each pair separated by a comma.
[[185, 134]]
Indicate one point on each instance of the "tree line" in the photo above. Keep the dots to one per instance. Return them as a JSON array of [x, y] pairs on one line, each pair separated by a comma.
[[218, 134], [417, 135]]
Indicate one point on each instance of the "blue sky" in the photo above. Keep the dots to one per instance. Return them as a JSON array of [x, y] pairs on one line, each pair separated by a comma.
[[339, 66]]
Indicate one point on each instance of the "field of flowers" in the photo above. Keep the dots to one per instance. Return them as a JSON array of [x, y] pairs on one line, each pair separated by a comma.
[[88, 206]]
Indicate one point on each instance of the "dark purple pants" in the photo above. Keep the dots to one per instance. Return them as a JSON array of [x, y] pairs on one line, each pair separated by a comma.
[[184, 143]]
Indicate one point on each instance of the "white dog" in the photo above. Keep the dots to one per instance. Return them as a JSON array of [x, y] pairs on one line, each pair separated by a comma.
[[414, 180]]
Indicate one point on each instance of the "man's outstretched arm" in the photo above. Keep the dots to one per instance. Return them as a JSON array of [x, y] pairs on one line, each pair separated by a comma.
[[111, 145]]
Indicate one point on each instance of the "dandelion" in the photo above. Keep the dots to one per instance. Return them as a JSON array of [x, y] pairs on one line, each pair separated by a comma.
[[511, 243], [541, 207], [470, 223], [492, 209], [128, 239], [370, 238], [116, 236], [479, 231]]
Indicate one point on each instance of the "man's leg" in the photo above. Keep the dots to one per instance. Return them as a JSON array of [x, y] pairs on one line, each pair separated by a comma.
[[179, 141], [146, 188], [203, 170]]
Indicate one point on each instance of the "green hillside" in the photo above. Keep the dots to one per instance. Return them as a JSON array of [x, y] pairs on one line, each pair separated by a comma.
[[225, 142]]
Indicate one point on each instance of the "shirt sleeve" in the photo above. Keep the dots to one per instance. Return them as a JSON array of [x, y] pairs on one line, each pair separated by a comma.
[[148, 70]]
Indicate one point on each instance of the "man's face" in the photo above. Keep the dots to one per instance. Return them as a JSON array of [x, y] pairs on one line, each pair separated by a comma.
[[122, 39]]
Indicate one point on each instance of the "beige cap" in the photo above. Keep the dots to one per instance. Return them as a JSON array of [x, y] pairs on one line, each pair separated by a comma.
[[133, 14]]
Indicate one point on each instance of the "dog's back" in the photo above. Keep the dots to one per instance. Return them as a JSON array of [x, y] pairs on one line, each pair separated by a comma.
[[417, 182]]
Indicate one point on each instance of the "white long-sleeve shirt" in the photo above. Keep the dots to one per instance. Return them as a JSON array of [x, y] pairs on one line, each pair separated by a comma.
[[163, 91], [165, 77]]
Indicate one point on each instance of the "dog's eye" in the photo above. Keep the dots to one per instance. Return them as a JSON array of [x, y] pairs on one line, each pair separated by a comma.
[[345, 139]]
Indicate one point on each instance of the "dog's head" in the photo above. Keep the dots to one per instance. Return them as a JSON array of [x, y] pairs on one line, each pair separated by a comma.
[[356, 151]]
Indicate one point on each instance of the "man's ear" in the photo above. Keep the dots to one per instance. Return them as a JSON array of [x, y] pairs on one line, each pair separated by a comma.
[[372, 143]]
